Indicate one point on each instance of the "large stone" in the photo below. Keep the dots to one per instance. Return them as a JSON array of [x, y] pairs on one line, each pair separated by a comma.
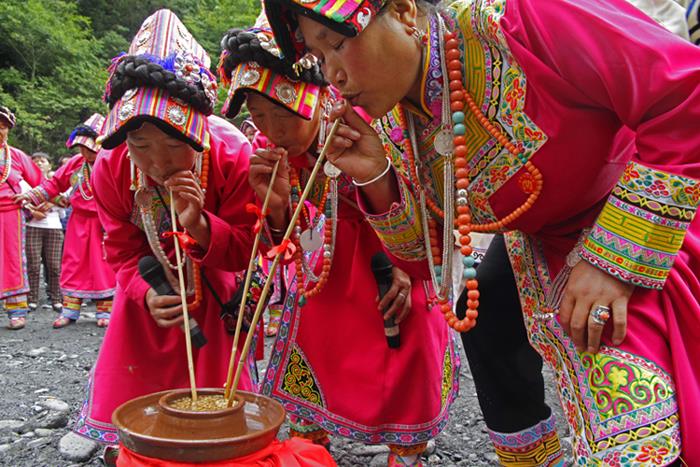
[[43, 432], [369, 450], [53, 420], [5, 447], [491, 458], [75, 448], [56, 405], [38, 351], [39, 442], [7, 426]]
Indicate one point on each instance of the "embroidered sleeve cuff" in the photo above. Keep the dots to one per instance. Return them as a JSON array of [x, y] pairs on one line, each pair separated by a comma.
[[642, 226], [399, 229], [38, 195]]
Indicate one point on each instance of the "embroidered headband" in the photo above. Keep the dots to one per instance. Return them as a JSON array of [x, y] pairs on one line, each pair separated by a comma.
[[347, 17], [86, 133]]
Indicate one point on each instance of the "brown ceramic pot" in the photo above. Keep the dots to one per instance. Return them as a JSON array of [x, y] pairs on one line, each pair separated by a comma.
[[149, 426]]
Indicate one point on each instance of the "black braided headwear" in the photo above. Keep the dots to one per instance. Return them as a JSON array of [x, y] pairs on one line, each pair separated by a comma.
[[250, 46], [130, 71], [84, 130], [241, 46]]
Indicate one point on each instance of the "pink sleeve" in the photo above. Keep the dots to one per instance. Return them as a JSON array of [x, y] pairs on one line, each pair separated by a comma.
[[231, 226], [125, 243], [30, 171], [620, 60], [616, 59], [60, 182]]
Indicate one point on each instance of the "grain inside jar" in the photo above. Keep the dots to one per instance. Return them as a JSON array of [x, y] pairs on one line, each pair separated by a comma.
[[209, 403]]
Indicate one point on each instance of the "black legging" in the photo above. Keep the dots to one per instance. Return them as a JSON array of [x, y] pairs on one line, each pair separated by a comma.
[[507, 371]]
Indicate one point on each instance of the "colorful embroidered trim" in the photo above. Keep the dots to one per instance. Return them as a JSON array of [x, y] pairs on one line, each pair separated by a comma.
[[299, 97], [400, 229], [104, 308], [156, 103], [348, 17], [642, 226], [299, 407], [535, 446], [16, 306], [620, 406]]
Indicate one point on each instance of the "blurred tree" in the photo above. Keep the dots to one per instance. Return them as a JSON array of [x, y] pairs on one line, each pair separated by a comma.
[[54, 55]]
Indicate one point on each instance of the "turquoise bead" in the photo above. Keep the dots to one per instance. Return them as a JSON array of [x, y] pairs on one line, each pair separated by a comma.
[[460, 129], [469, 273], [458, 117], [438, 270], [468, 261], [302, 301]]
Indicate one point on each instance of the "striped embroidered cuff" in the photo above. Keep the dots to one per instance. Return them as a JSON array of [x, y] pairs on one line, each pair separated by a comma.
[[642, 226], [399, 229], [38, 195]]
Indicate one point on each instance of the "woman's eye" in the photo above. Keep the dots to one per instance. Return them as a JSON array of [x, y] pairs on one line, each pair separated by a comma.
[[339, 45]]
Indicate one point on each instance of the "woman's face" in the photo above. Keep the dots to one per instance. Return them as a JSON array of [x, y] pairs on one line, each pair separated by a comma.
[[158, 154], [284, 128], [43, 164], [4, 131], [88, 154], [375, 69]]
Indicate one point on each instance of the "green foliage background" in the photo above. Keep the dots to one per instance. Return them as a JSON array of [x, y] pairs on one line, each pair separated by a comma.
[[54, 55]]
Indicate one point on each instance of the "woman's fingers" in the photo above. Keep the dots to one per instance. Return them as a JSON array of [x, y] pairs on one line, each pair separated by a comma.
[[405, 309]]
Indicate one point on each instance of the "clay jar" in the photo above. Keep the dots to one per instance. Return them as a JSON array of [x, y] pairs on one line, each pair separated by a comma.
[[150, 426]]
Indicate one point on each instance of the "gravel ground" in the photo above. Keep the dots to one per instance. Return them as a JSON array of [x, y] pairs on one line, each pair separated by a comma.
[[43, 373]]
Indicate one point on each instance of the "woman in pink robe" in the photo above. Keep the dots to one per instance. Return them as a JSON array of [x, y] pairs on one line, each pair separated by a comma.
[[598, 103], [331, 365], [85, 273], [157, 143], [14, 167]]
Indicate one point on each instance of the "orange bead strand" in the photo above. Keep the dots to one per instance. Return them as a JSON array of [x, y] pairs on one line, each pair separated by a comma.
[[327, 239]]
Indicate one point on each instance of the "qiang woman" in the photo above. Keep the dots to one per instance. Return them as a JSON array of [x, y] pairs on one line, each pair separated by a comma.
[[162, 138], [15, 166], [506, 116], [331, 365], [85, 272]]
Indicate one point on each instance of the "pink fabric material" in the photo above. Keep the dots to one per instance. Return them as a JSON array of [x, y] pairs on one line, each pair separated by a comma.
[[84, 269], [368, 391], [627, 71], [138, 357], [13, 262]]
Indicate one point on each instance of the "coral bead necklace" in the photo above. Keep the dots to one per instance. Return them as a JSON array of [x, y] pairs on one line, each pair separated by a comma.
[[455, 153]]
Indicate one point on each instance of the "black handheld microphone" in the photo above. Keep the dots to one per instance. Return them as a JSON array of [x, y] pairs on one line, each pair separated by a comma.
[[382, 269], [152, 272]]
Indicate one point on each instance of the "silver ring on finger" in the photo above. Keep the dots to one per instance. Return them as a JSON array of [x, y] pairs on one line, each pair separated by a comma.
[[402, 295], [600, 314]]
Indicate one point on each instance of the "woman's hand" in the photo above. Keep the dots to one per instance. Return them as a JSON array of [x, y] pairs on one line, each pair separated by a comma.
[[37, 213], [589, 287], [21, 199], [261, 165], [356, 148], [188, 197], [166, 310], [398, 298]]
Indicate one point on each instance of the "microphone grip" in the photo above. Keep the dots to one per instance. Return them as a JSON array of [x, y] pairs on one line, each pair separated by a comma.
[[391, 329], [196, 334]]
